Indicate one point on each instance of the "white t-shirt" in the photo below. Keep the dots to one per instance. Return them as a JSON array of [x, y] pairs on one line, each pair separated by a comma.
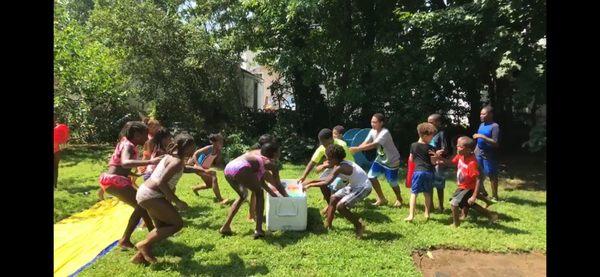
[[358, 176], [387, 154]]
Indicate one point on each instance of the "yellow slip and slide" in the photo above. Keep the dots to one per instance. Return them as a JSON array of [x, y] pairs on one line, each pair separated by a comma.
[[83, 236]]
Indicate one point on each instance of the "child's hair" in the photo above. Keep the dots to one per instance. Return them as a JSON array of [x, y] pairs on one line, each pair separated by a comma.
[[335, 151], [325, 134], [131, 128], [468, 142], [264, 139], [489, 109], [436, 117], [180, 142], [425, 129], [339, 129], [150, 121], [161, 134], [379, 117], [269, 149], [215, 137]]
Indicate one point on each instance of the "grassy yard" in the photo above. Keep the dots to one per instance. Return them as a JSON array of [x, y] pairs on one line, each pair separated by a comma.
[[386, 249]]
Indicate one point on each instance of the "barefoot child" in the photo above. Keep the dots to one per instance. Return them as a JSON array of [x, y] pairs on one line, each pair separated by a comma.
[[326, 139], [468, 181], [161, 140], [271, 177], [358, 187], [148, 148], [116, 180], [245, 173], [439, 143], [423, 175], [387, 161], [156, 195], [202, 160], [61, 136]]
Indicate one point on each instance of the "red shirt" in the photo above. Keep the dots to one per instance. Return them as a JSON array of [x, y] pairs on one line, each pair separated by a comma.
[[61, 136], [466, 172]]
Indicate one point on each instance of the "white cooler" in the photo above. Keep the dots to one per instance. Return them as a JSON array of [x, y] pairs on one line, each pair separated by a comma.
[[287, 213]]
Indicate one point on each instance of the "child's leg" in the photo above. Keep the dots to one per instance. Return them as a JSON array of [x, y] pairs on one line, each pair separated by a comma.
[[411, 209], [494, 182], [127, 195], [169, 222], [464, 211], [226, 229], [485, 199], [399, 200], [378, 192], [345, 212], [428, 201], [216, 190], [455, 216], [326, 195], [259, 208], [440, 193], [331, 211], [251, 210], [491, 216]]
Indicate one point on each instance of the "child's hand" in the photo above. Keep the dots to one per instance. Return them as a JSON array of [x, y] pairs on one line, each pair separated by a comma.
[[353, 149], [471, 200], [156, 160], [301, 180], [476, 136], [181, 205]]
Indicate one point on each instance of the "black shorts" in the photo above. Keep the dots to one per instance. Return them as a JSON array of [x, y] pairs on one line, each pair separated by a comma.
[[460, 197]]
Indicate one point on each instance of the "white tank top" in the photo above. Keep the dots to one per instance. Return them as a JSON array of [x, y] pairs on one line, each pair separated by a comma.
[[358, 176], [158, 172]]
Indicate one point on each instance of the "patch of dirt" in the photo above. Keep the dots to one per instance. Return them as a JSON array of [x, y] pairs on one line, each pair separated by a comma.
[[468, 263]]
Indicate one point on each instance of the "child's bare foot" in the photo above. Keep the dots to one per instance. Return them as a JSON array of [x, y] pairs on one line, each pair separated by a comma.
[[195, 191], [360, 230], [258, 234], [398, 204], [426, 216], [138, 258], [409, 218], [462, 217], [441, 210], [380, 202], [125, 244], [453, 225], [225, 231], [101, 194], [146, 252], [224, 201]]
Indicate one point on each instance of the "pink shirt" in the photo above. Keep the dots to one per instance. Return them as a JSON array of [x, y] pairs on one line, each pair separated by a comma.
[[115, 159]]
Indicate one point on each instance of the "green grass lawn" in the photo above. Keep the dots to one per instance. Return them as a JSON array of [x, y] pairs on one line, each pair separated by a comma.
[[386, 249]]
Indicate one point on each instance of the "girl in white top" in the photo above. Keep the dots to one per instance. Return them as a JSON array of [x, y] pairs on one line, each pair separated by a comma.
[[358, 188], [156, 195]]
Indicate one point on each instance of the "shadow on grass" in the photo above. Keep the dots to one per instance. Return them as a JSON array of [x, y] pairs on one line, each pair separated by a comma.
[[474, 218], [187, 266], [521, 201]]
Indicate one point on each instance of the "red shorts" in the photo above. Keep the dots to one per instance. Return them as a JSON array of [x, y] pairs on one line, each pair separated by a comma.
[[112, 180]]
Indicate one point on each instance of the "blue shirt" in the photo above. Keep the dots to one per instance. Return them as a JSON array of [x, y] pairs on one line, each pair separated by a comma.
[[484, 149]]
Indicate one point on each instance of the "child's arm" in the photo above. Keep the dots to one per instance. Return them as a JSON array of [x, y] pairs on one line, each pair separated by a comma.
[[363, 147], [127, 162], [325, 181], [274, 169], [308, 168], [171, 168], [324, 165], [475, 174]]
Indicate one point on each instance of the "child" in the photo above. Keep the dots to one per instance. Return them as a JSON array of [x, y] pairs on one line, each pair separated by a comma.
[[271, 178], [247, 172], [326, 139], [116, 180], [387, 161], [358, 187], [202, 160], [423, 175], [486, 152], [157, 193], [61, 136], [148, 148], [161, 140], [338, 132], [468, 181], [439, 143]]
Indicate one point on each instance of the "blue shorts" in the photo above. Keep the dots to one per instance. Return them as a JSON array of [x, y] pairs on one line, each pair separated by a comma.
[[489, 167], [422, 181], [391, 174]]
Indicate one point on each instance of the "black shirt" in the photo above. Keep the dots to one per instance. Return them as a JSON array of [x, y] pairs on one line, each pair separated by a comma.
[[421, 158], [439, 142]]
